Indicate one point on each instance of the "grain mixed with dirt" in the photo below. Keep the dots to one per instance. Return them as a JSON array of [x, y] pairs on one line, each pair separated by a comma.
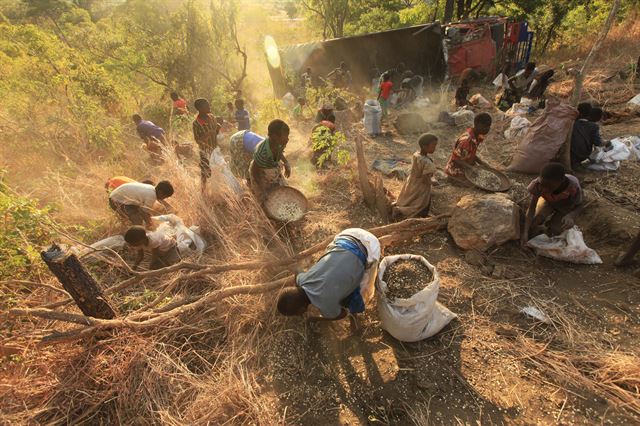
[[405, 278]]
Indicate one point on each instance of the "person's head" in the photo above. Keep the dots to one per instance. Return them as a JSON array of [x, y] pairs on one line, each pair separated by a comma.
[[428, 143], [302, 101], [327, 107], [230, 106], [136, 118], [174, 96], [482, 124], [552, 176], [293, 301], [530, 68], [202, 105], [464, 83], [386, 76], [148, 182], [164, 189], [584, 110], [596, 114], [278, 132], [343, 65], [239, 104], [136, 236]]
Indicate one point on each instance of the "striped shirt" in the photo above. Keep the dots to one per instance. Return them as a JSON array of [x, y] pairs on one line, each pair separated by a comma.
[[263, 157], [205, 131]]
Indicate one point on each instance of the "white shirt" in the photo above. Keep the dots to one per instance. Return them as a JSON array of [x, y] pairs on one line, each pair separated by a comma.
[[160, 241], [135, 194], [371, 243]]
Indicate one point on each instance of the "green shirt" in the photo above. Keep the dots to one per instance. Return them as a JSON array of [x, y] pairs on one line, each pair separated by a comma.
[[263, 156]]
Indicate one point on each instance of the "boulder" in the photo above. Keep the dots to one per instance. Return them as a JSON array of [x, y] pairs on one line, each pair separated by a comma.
[[482, 221], [410, 122]]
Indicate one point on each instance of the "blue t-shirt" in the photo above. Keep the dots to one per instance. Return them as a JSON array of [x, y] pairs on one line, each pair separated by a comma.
[[242, 117], [250, 141], [147, 129]]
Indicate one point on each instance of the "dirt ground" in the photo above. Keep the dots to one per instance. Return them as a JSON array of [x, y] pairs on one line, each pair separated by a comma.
[[485, 367]]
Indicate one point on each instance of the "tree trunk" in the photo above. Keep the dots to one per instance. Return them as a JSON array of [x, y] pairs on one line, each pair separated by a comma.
[[363, 176], [448, 11], [78, 282], [383, 205]]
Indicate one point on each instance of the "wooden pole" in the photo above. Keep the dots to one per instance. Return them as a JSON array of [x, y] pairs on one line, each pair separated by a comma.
[[78, 282], [363, 176]]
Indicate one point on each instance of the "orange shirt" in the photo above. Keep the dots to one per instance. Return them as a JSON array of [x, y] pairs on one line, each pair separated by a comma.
[[116, 181]]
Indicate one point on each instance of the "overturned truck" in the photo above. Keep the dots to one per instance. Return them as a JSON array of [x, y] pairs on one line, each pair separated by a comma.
[[419, 47]]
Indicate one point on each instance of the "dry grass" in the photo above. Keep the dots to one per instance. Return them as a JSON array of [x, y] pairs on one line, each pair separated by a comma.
[[198, 371]]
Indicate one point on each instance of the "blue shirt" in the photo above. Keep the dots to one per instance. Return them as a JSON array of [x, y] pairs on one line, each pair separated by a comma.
[[147, 129], [242, 118], [250, 141]]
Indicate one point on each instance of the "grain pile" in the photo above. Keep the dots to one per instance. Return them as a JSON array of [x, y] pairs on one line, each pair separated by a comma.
[[288, 212], [485, 179], [405, 278]]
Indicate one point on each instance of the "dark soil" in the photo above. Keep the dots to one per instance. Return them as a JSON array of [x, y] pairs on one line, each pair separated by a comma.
[[405, 278]]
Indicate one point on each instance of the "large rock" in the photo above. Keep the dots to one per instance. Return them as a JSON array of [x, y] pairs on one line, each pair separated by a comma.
[[482, 221], [410, 122]]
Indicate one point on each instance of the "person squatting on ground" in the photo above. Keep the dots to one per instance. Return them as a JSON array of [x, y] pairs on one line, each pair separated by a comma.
[[466, 147], [415, 197], [205, 133], [562, 202], [242, 145], [341, 281], [586, 134], [163, 249], [135, 200], [462, 94], [325, 113], [265, 171]]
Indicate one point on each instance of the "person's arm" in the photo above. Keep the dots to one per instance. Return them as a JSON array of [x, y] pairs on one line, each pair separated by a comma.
[[511, 83], [569, 220], [531, 212], [168, 207], [480, 161], [253, 172], [139, 258], [287, 166]]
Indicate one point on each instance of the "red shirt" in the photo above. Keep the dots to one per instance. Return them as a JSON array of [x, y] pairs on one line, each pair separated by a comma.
[[385, 89], [465, 150], [180, 106]]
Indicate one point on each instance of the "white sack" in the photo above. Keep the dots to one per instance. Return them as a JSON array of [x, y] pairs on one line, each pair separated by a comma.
[[517, 128], [633, 143], [463, 117], [187, 239], [568, 247], [372, 117], [609, 160], [480, 101], [415, 318], [219, 164], [635, 100]]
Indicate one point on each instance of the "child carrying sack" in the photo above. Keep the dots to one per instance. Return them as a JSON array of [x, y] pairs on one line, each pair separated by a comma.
[[415, 318]]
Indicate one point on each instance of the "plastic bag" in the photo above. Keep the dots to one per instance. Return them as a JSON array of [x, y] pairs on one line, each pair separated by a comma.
[[463, 117], [633, 143], [479, 101], [219, 164], [415, 318], [609, 160], [517, 128], [188, 240], [568, 247]]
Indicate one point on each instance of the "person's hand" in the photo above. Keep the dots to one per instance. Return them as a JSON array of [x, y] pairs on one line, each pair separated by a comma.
[[287, 170], [568, 222]]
